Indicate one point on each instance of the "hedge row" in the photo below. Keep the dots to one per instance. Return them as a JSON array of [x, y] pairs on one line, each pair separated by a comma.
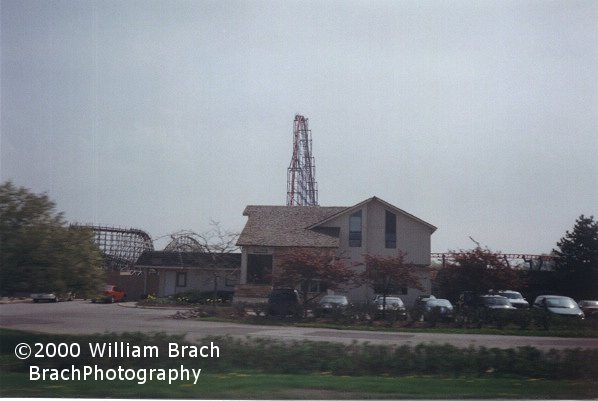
[[356, 359], [367, 359]]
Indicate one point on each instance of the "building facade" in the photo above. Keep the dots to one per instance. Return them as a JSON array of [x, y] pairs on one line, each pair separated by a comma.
[[372, 227], [180, 272]]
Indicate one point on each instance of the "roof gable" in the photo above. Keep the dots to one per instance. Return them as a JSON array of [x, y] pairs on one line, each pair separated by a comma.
[[352, 209]]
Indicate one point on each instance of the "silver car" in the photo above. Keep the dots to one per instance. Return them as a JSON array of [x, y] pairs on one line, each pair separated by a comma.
[[559, 305], [515, 298]]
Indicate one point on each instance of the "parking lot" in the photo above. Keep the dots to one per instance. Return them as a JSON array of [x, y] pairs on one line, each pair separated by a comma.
[[84, 317]]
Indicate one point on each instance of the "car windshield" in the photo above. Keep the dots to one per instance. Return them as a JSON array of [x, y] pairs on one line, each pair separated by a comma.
[[511, 295], [439, 302], [392, 301], [334, 299], [496, 301], [560, 303]]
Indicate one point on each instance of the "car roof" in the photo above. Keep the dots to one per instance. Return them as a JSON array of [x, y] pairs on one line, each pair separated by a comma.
[[438, 300]]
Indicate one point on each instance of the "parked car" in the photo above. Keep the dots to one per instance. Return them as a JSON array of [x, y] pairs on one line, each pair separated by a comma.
[[378, 297], [284, 302], [51, 297], [515, 298], [420, 304], [467, 299], [494, 302], [391, 305], [44, 297], [441, 309], [330, 304], [558, 305], [424, 297], [589, 308], [111, 294]]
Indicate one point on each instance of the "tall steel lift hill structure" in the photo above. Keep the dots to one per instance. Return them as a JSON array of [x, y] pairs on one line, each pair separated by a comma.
[[302, 188]]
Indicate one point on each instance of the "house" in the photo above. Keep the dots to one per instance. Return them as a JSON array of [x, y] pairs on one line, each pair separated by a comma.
[[191, 271], [370, 227]]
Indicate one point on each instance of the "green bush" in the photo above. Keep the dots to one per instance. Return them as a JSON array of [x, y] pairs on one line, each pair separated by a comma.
[[356, 359], [523, 319], [202, 297], [191, 298]]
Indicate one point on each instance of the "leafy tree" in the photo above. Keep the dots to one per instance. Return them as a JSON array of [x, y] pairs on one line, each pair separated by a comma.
[[219, 244], [388, 274], [577, 263], [312, 272], [478, 270], [38, 252]]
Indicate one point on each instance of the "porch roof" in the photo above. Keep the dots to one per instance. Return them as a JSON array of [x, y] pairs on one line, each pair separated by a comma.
[[174, 259]]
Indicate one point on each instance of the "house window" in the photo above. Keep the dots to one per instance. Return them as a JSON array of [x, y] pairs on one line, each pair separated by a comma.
[[317, 287], [181, 279], [355, 230], [390, 230], [259, 269]]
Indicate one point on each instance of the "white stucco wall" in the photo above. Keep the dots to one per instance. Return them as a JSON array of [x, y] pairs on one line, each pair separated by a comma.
[[197, 280]]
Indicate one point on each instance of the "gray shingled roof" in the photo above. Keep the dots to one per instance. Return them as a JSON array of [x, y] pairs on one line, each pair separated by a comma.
[[287, 226]]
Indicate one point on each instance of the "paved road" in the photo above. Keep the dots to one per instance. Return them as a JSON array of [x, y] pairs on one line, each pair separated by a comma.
[[80, 317]]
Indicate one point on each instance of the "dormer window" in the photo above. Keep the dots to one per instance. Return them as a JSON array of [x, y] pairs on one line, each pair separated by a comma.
[[390, 230], [355, 230]]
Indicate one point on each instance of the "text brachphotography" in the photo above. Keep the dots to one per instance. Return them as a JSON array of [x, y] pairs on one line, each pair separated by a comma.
[[95, 373]]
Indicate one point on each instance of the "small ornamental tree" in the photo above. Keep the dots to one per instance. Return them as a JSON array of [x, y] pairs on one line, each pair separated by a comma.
[[388, 274], [477, 270], [308, 269], [219, 244]]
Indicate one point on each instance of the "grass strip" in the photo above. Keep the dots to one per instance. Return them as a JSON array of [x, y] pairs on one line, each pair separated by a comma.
[[310, 386], [567, 332]]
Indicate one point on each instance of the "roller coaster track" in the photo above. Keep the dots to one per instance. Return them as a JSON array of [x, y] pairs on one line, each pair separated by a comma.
[[120, 247], [535, 262]]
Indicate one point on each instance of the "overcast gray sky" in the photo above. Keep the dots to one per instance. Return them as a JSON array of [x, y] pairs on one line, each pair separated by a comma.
[[480, 117]]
